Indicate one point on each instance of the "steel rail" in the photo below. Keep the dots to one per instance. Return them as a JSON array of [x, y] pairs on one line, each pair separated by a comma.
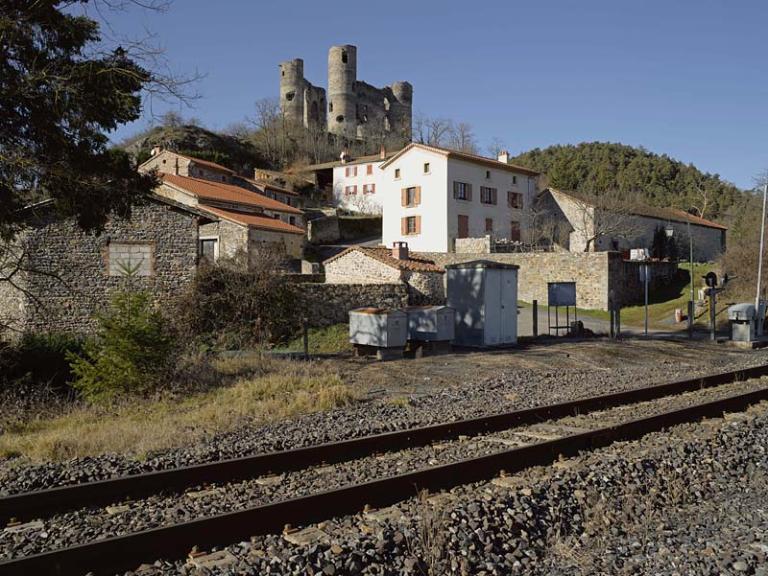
[[124, 553], [47, 502]]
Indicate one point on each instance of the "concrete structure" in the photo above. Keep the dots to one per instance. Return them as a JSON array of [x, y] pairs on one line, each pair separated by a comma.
[[380, 327], [360, 265], [354, 110], [432, 196], [69, 275], [575, 219], [483, 295]]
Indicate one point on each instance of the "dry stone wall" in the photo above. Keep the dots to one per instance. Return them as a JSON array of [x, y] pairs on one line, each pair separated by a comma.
[[326, 304]]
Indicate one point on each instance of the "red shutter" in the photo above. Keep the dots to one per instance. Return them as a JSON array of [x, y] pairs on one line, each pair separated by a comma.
[[403, 226], [418, 225], [404, 197], [417, 196]]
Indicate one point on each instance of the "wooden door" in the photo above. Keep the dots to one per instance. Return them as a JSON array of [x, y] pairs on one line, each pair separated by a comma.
[[463, 227]]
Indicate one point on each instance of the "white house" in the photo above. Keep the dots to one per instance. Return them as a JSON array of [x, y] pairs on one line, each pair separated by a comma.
[[432, 196]]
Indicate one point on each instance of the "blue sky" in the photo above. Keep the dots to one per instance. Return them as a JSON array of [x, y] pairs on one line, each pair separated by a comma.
[[687, 78]]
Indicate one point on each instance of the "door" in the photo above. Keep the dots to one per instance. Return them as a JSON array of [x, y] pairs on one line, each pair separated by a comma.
[[514, 231], [508, 306], [492, 312], [463, 226]]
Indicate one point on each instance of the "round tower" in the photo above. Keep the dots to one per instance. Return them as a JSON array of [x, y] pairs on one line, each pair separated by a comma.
[[342, 102], [401, 111], [292, 90]]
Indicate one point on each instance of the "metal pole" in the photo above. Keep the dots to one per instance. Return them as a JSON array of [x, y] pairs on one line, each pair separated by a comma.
[[691, 311], [535, 318], [646, 299], [691, 305], [760, 260], [712, 314]]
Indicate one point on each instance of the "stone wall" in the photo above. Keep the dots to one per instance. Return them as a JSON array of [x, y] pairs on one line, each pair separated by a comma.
[[630, 290], [480, 245], [602, 279], [324, 230], [326, 304], [74, 282], [356, 268], [426, 288]]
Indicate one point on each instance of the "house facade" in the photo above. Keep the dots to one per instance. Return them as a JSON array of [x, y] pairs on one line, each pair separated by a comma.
[[69, 275], [576, 220], [433, 196]]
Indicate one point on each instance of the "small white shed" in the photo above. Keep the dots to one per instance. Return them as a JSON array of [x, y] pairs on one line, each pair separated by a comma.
[[484, 296], [378, 327]]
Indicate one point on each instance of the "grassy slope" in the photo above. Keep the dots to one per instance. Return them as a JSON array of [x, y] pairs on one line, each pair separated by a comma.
[[329, 340]]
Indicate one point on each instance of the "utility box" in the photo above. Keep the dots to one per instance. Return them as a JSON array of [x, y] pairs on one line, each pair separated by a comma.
[[430, 323], [742, 318], [483, 295], [378, 327]]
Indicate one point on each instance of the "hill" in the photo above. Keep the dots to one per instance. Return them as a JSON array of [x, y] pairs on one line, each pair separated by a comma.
[[658, 180], [230, 151]]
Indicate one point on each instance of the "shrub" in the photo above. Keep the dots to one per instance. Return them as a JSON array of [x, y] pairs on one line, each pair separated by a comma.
[[130, 354], [232, 305], [40, 358]]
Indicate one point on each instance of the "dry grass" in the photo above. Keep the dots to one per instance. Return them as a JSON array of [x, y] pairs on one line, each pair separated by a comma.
[[263, 390]]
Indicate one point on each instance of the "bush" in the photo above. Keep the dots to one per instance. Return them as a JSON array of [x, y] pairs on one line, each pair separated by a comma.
[[230, 306], [40, 359], [131, 353]]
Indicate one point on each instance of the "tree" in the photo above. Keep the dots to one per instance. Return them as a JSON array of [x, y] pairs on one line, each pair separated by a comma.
[[601, 215], [61, 93]]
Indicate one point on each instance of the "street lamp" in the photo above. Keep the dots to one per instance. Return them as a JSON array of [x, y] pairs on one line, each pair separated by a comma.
[[670, 232]]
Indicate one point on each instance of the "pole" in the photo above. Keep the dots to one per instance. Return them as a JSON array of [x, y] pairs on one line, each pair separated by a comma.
[[305, 336], [760, 262], [691, 305], [646, 299], [712, 313], [535, 318]]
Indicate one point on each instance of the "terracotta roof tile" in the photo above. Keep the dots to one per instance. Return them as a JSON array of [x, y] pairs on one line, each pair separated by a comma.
[[254, 220], [384, 255], [205, 189]]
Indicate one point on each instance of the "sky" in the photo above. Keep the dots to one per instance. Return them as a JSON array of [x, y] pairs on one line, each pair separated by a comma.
[[686, 78]]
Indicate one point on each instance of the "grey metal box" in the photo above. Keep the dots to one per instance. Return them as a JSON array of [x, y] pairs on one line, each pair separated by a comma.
[[431, 323], [484, 297], [378, 327]]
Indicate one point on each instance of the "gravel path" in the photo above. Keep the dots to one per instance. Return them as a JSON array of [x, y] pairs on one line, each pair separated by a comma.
[[509, 389], [86, 525], [691, 500]]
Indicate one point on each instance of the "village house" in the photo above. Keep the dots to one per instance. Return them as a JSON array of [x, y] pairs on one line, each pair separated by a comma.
[[364, 265], [352, 184], [436, 198], [572, 219], [67, 275]]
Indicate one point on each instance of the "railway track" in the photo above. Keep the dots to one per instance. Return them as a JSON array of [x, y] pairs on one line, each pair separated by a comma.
[[530, 437]]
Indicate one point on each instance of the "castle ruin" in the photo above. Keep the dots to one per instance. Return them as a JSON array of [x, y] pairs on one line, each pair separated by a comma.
[[353, 110]]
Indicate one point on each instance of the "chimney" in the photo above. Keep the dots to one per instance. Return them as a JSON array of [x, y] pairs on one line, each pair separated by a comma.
[[344, 156], [155, 151], [400, 251], [504, 157], [383, 152]]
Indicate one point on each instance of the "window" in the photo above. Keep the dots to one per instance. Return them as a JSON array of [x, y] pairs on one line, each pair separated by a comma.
[[350, 190], [369, 169], [369, 188], [209, 249], [344, 57], [426, 167], [514, 180], [350, 171], [487, 195], [130, 259], [487, 174], [462, 191], [463, 226], [411, 196], [292, 220], [397, 173], [514, 231], [489, 224], [410, 225], [515, 200]]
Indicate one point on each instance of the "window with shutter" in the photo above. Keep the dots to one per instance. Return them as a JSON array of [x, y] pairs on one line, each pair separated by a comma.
[[487, 195], [515, 199], [462, 191]]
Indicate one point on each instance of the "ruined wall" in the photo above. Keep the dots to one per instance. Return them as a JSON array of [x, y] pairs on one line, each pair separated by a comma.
[[77, 283], [326, 304]]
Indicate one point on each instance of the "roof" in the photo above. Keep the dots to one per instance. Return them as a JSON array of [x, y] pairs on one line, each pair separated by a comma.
[[254, 220], [671, 214], [266, 185], [206, 163], [384, 255], [220, 191], [482, 264], [465, 156], [350, 162]]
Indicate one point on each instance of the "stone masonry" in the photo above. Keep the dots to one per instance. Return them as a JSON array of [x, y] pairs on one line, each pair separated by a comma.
[[326, 304]]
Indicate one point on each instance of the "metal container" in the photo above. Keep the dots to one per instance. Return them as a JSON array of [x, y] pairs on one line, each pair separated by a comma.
[[484, 297], [378, 327], [742, 318], [430, 323]]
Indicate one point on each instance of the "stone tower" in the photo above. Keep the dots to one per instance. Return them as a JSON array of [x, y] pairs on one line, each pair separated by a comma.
[[401, 109], [342, 102], [300, 102]]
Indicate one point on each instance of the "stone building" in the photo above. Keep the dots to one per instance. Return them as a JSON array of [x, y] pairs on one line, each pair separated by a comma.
[[573, 219], [353, 109], [362, 265], [68, 274]]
